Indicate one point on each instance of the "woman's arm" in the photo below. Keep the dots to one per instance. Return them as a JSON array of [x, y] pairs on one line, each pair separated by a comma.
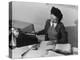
[[42, 32]]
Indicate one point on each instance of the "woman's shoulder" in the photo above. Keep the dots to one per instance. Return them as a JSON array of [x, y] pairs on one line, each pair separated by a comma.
[[61, 25]]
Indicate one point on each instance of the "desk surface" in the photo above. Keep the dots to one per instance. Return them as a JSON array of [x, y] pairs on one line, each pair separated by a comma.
[[41, 52]]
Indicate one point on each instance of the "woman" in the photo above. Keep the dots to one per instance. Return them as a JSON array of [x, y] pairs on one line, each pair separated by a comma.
[[54, 29], [20, 38], [24, 39], [12, 37]]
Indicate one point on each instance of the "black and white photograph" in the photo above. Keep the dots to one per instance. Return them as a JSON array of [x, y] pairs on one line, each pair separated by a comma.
[[42, 30]]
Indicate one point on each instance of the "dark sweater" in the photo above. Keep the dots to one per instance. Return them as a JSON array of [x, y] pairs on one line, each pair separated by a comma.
[[60, 29]]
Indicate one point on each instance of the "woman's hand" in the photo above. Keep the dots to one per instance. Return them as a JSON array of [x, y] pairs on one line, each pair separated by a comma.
[[52, 42]]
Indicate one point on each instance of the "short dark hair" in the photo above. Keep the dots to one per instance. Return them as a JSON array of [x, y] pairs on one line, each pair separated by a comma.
[[57, 13]]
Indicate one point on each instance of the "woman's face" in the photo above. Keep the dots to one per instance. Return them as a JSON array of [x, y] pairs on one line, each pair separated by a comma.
[[53, 18], [15, 32]]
